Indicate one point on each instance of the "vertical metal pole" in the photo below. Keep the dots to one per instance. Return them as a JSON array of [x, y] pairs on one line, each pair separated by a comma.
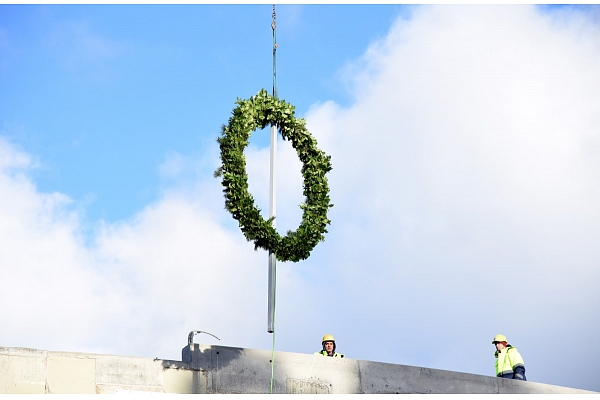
[[272, 259]]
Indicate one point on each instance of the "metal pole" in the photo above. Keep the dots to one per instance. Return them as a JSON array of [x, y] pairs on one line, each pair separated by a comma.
[[272, 259]]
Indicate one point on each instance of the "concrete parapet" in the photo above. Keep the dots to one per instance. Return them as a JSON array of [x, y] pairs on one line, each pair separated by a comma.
[[34, 371], [238, 370], [22, 371], [220, 369]]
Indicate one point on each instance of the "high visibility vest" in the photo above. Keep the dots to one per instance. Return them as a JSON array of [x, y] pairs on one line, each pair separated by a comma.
[[507, 360], [324, 353]]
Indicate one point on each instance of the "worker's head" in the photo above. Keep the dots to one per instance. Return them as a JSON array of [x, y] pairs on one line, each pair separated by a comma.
[[328, 343], [500, 342]]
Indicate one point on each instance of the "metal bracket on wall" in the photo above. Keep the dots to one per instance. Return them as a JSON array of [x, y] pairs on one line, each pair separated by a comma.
[[193, 333]]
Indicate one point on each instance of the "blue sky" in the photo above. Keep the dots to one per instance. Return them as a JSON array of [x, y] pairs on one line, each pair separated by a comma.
[[465, 143], [100, 93]]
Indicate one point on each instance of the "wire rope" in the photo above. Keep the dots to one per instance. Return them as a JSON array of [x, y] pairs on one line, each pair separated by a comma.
[[274, 27]]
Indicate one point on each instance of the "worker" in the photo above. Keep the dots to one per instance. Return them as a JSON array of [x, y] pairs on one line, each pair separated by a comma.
[[509, 363], [328, 343]]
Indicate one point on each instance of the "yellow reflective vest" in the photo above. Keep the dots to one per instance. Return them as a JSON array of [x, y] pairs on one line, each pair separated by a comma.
[[507, 360], [324, 353]]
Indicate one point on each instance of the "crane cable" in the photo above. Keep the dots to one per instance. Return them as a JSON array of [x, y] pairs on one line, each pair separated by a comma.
[[273, 27]]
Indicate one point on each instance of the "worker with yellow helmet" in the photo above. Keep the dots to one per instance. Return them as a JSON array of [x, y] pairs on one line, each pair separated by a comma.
[[328, 343], [509, 363]]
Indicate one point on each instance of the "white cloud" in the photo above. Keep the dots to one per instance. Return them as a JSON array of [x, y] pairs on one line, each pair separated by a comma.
[[45, 280], [183, 272], [465, 183], [138, 288]]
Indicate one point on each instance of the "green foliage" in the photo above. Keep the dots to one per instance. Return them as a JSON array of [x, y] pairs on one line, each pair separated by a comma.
[[256, 113]]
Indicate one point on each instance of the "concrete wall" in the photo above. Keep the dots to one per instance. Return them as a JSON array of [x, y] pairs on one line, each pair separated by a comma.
[[218, 369], [39, 371], [237, 370]]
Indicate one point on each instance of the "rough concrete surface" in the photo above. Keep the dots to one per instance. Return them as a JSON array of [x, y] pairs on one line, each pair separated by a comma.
[[220, 369]]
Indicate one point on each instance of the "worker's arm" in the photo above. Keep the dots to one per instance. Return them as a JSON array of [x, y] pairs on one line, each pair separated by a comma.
[[519, 373]]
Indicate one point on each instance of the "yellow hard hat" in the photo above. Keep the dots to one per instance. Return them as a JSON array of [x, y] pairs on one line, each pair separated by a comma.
[[328, 338], [499, 338]]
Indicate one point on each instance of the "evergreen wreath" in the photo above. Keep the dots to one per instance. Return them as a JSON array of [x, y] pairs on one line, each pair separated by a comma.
[[256, 113]]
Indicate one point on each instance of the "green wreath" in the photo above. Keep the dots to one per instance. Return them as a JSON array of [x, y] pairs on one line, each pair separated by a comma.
[[258, 112]]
